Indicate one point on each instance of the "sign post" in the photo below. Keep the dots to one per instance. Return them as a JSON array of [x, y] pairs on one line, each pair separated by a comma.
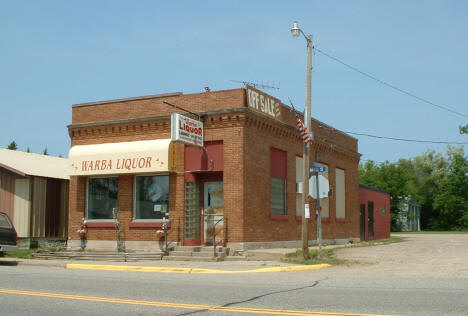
[[318, 169]]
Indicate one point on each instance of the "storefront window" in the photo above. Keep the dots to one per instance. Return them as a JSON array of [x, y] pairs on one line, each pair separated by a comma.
[[151, 197], [102, 197]]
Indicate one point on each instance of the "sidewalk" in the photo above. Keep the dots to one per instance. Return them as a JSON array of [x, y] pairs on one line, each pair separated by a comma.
[[260, 260]]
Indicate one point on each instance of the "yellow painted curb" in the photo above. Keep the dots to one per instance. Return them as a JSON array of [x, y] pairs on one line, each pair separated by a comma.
[[190, 270]]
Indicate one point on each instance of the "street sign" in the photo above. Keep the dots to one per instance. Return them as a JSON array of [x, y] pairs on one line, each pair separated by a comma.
[[318, 169], [324, 187]]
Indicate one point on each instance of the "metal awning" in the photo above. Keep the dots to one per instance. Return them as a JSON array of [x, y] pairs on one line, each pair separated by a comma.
[[120, 158]]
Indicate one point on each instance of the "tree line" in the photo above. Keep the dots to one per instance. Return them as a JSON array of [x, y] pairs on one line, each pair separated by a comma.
[[436, 181], [14, 146]]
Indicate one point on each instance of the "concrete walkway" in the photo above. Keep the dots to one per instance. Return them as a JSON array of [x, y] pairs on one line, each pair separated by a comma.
[[260, 260]]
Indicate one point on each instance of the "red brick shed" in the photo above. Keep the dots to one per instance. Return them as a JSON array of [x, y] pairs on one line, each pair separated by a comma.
[[374, 213]]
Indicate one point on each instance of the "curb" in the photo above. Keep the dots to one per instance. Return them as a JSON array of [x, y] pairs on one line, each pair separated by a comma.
[[32, 262], [191, 270]]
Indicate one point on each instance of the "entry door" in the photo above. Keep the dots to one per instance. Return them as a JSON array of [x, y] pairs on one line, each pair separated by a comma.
[[363, 222], [213, 211], [370, 210]]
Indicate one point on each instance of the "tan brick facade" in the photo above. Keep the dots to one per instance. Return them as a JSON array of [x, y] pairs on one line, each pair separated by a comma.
[[246, 136]]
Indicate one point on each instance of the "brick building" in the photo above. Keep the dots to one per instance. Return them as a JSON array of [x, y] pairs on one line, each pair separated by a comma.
[[244, 177], [375, 213]]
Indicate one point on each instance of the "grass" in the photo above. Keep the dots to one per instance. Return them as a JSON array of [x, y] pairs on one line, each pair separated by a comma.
[[326, 256], [21, 253], [423, 232], [391, 240]]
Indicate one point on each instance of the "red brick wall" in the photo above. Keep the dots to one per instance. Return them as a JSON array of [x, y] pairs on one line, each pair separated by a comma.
[[381, 221], [246, 137], [259, 225], [138, 108]]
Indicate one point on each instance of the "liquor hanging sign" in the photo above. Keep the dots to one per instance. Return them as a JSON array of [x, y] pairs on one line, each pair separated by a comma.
[[186, 130]]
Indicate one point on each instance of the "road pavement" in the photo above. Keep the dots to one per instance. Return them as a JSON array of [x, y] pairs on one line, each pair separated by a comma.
[[396, 279]]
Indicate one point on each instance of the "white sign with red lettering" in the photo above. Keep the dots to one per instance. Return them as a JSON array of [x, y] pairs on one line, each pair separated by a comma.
[[186, 130], [119, 158]]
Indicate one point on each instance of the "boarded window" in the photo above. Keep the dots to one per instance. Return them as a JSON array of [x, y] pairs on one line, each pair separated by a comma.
[[277, 181], [340, 193]]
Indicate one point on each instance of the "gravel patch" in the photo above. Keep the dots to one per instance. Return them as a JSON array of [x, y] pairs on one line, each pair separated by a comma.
[[419, 255]]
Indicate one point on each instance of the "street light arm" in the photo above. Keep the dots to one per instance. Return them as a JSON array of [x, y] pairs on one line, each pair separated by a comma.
[[307, 37]]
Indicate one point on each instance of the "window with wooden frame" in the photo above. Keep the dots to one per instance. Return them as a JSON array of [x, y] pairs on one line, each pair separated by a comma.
[[277, 182]]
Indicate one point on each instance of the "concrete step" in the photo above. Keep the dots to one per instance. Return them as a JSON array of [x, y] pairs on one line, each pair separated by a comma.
[[101, 256], [235, 258], [194, 254], [188, 258], [199, 248]]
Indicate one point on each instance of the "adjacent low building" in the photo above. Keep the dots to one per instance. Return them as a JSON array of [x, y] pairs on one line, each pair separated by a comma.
[[374, 213], [34, 194], [131, 162]]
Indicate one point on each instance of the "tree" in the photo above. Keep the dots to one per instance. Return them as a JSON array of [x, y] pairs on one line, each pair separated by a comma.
[[391, 177], [429, 170], [45, 152], [463, 129], [28, 150], [451, 202], [438, 183], [13, 146]]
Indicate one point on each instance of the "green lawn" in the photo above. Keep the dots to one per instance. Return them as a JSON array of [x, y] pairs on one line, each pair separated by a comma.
[[326, 256], [21, 253], [433, 232]]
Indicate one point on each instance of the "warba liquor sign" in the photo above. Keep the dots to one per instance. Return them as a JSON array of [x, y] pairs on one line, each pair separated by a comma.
[[186, 130]]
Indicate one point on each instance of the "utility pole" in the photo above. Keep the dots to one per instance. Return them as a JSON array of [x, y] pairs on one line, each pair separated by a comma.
[[295, 31]]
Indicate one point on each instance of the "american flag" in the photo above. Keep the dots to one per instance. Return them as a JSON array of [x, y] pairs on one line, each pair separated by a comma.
[[303, 131]]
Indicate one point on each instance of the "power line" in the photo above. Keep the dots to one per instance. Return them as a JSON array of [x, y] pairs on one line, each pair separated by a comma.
[[408, 140], [377, 162], [390, 85], [395, 138]]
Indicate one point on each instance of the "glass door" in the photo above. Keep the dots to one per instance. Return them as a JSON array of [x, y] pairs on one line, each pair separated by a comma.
[[213, 211]]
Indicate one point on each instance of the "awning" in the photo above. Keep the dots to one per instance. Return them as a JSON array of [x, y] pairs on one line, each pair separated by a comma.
[[118, 158]]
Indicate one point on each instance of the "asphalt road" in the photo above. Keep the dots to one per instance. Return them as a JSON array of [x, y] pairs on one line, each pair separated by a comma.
[[358, 289]]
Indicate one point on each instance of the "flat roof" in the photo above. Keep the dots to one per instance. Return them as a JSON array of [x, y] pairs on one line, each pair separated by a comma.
[[373, 189], [152, 96]]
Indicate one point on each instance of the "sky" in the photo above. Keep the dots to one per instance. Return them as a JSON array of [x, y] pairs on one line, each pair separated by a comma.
[[54, 54]]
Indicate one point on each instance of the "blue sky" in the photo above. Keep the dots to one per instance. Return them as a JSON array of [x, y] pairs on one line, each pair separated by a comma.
[[57, 53]]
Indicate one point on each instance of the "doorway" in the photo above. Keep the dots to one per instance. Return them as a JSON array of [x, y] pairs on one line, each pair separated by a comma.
[[213, 209], [363, 222], [370, 219]]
